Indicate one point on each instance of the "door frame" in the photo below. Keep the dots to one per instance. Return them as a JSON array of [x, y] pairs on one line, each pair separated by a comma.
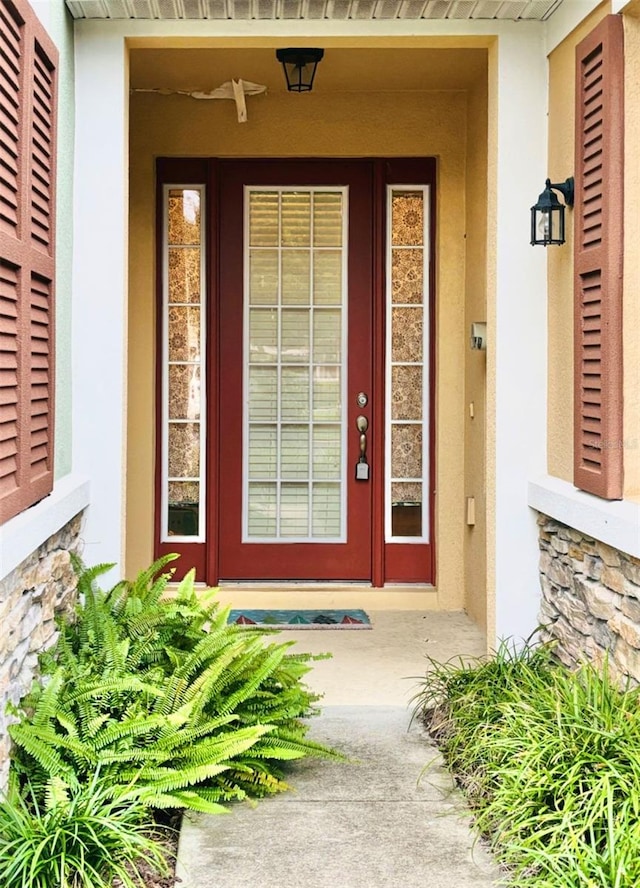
[[183, 172]]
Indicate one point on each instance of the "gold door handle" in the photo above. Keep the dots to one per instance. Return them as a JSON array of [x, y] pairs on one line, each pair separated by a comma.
[[362, 467]]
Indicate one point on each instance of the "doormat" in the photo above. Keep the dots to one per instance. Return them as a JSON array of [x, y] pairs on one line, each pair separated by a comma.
[[302, 619]]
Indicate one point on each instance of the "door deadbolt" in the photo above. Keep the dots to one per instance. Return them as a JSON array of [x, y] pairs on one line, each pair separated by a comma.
[[361, 399]]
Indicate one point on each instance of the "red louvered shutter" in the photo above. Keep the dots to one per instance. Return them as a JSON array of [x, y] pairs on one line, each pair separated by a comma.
[[598, 261], [28, 62]]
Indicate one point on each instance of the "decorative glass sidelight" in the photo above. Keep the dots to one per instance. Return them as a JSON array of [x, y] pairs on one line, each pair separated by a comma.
[[407, 411], [183, 393], [294, 359]]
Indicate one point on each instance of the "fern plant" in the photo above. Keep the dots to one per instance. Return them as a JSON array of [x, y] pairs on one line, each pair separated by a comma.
[[172, 704]]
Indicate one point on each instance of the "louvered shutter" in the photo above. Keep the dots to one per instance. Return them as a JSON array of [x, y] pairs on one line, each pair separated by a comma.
[[598, 260], [28, 61]]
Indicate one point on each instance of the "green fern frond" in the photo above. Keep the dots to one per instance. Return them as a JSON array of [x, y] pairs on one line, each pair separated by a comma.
[[187, 736], [88, 575], [130, 729], [170, 779], [48, 700], [49, 759], [131, 759], [148, 584], [57, 794], [91, 690], [270, 662], [284, 749], [183, 800], [223, 747]]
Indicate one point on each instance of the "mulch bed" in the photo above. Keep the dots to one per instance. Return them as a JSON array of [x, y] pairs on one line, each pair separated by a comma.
[[149, 877]]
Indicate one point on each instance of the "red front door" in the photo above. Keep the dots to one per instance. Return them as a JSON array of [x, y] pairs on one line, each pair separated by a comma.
[[295, 389], [296, 365]]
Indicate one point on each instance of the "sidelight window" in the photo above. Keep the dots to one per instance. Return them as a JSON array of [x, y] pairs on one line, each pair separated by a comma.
[[407, 431]]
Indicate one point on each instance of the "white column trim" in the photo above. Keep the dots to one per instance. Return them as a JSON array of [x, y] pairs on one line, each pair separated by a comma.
[[520, 338], [100, 288]]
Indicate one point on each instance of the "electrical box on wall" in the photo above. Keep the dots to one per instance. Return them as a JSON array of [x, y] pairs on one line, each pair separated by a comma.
[[479, 335]]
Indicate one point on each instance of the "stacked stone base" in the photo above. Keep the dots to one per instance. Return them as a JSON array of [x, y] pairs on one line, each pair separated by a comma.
[[31, 596], [590, 600]]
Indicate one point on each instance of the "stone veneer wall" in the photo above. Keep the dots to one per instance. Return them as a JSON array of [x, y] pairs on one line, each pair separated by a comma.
[[30, 596], [590, 599]]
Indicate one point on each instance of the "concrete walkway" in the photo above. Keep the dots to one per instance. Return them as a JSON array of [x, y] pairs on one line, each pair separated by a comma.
[[377, 823]]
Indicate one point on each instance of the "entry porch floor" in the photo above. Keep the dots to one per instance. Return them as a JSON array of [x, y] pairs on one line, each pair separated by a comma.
[[378, 821]]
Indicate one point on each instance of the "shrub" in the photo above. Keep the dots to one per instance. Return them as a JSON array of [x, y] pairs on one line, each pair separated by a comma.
[[172, 704], [80, 838], [550, 760]]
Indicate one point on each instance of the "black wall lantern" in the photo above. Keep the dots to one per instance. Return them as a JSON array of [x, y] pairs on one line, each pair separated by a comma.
[[547, 215], [299, 67]]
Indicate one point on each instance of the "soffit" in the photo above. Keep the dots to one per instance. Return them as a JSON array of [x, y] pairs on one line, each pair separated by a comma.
[[313, 10]]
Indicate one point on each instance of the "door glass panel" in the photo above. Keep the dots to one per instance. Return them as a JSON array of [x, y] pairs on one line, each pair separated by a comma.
[[183, 352], [407, 335], [406, 392], [407, 284], [295, 336], [327, 219], [294, 452], [294, 395], [296, 277], [407, 371], [326, 394], [263, 324], [326, 510], [327, 341], [264, 277], [296, 219], [184, 275], [327, 443], [263, 501], [263, 394], [407, 217], [294, 485], [264, 229], [184, 333], [263, 452], [184, 391], [327, 277], [294, 509]]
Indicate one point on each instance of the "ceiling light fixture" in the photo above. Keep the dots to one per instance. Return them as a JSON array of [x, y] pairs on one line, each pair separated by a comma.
[[299, 67]]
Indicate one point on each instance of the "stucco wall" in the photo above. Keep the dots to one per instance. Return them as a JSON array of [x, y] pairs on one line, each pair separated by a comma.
[[589, 562], [560, 295], [476, 361], [348, 124]]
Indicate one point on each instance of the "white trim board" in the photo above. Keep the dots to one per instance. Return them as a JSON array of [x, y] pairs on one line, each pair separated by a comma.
[[615, 523], [24, 534]]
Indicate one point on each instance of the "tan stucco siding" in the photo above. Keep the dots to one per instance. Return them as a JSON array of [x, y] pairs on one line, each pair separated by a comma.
[[560, 268], [560, 297], [476, 361]]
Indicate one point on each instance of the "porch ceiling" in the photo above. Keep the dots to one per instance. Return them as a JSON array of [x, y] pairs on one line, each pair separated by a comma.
[[313, 10]]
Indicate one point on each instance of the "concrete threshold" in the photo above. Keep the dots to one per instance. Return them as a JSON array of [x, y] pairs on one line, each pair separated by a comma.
[[283, 595]]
